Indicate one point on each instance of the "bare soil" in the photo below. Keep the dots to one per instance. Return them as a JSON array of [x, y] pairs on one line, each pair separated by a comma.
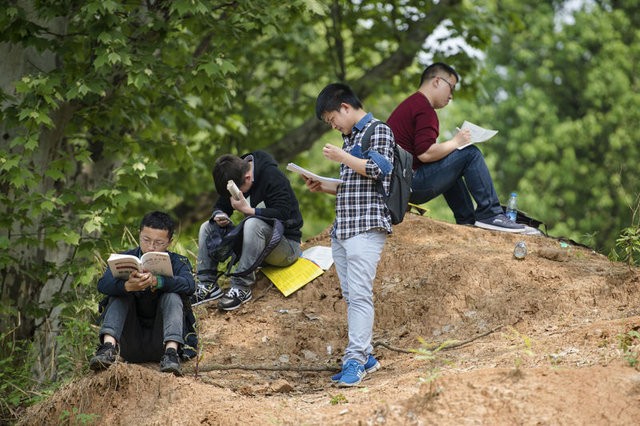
[[500, 341]]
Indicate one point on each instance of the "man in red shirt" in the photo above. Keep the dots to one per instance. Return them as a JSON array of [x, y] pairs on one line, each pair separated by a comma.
[[440, 168]]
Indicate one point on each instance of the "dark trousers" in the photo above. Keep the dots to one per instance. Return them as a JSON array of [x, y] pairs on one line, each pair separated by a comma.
[[459, 176], [142, 339]]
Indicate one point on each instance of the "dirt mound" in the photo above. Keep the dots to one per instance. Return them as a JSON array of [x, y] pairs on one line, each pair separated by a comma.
[[497, 341]]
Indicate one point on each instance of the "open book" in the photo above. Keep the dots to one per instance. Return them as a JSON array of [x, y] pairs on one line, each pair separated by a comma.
[[328, 184], [156, 262], [478, 134]]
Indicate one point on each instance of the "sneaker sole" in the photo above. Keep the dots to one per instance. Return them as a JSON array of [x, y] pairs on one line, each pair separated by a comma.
[[99, 365], [348, 385], [499, 228], [232, 308], [216, 296], [174, 370], [370, 370]]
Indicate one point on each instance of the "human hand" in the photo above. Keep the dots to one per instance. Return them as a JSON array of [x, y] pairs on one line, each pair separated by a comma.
[[138, 281], [313, 185], [241, 204], [332, 152], [463, 137], [221, 219]]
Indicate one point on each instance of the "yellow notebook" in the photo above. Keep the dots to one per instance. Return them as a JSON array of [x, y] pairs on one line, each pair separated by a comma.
[[293, 277]]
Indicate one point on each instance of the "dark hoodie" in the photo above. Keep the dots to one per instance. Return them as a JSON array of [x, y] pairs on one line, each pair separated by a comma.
[[270, 194]]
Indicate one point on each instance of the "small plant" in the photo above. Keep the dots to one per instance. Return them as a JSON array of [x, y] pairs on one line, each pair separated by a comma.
[[628, 243], [428, 352], [629, 342], [338, 399], [75, 417], [523, 345]]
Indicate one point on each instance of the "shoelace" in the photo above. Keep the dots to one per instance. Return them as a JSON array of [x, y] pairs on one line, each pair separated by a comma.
[[352, 368], [234, 292]]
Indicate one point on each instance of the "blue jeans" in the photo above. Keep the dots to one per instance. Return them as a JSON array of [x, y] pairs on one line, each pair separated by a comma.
[[356, 261], [255, 237], [142, 338], [457, 175]]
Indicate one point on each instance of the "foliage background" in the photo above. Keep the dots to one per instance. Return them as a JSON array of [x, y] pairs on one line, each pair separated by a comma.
[[111, 109]]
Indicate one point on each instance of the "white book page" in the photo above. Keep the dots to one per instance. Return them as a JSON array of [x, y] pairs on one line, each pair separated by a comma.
[[157, 262], [478, 134], [320, 255], [328, 183]]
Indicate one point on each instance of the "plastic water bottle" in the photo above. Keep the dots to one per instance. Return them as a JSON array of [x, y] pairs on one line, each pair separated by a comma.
[[512, 206], [520, 250]]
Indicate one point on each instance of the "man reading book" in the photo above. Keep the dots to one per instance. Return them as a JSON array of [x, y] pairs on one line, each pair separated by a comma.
[[263, 191], [145, 315], [441, 168]]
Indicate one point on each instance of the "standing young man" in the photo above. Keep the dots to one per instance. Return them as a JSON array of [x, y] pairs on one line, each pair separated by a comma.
[[440, 168], [362, 219], [145, 315], [266, 192]]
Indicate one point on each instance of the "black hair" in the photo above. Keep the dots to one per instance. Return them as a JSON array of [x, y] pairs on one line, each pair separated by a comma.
[[334, 95], [435, 69], [158, 220], [229, 167]]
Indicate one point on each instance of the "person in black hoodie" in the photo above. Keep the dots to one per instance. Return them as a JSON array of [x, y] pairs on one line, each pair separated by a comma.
[[264, 192]]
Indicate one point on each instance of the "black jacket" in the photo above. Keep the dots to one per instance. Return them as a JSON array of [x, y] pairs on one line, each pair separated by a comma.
[[271, 195], [182, 283]]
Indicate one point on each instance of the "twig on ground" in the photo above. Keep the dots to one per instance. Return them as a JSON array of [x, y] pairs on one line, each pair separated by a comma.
[[447, 346], [216, 367], [220, 367]]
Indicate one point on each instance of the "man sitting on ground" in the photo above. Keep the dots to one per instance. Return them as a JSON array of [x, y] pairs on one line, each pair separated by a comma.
[[145, 316], [265, 192]]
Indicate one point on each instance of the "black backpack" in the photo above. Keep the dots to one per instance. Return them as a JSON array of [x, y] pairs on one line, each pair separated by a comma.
[[225, 243], [401, 176]]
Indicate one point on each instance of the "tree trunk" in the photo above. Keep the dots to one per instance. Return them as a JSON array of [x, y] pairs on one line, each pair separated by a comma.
[[19, 288]]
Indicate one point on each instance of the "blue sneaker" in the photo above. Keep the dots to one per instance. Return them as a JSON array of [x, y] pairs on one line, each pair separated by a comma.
[[370, 366], [352, 373]]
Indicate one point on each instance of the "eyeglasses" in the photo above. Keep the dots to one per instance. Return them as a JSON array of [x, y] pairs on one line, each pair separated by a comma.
[[153, 243], [452, 87]]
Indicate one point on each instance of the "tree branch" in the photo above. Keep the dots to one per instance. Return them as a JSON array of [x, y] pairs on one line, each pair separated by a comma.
[[302, 138]]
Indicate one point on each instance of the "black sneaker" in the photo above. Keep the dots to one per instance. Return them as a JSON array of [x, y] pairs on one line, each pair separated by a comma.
[[170, 362], [205, 293], [106, 355], [234, 298], [500, 222]]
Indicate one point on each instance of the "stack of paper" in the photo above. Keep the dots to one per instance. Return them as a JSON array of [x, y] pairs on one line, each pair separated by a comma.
[[313, 262]]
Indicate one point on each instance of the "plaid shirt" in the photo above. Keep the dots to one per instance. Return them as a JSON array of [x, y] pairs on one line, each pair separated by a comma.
[[359, 205]]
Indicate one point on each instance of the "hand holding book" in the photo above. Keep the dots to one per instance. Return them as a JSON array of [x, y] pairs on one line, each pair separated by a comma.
[[478, 134]]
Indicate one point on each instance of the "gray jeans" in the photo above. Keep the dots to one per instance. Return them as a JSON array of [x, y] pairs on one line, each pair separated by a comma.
[[142, 338], [256, 234]]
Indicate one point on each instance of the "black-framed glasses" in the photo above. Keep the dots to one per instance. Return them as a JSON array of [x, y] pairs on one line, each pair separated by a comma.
[[452, 87]]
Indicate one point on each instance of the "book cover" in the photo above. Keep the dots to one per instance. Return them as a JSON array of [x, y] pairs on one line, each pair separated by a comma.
[[293, 277]]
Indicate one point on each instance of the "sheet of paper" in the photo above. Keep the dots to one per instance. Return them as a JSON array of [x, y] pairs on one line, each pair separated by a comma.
[[319, 255], [328, 183], [478, 134], [294, 277]]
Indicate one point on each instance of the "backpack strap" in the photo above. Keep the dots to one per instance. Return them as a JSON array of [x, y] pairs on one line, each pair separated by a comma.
[[366, 138], [365, 142], [276, 235]]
